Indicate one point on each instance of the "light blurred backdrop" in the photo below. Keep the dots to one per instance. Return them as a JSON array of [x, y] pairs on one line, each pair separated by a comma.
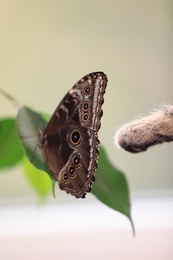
[[47, 46]]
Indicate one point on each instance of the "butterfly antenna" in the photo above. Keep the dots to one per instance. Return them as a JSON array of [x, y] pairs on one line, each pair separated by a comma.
[[12, 99]]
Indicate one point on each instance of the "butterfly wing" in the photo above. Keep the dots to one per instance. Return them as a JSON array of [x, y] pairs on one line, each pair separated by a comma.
[[70, 142]]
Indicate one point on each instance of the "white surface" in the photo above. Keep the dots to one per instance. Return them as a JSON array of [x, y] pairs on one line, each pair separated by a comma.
[[87, 230], [84, 216]]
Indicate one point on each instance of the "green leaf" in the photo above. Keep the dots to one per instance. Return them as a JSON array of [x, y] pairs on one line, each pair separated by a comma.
[[111, 187], [11, 151], [39, 180], [28, 125]]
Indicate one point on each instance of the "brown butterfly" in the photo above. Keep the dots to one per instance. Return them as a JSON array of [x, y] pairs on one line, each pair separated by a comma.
[[70, 140]]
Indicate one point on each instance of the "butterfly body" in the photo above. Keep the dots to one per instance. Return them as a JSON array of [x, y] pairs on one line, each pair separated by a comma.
[[70, 140]]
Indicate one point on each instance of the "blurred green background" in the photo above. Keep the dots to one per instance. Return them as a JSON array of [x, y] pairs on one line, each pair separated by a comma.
[[46, 46]]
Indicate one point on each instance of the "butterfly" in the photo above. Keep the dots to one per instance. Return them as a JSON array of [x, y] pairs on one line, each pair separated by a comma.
[[70, 141]]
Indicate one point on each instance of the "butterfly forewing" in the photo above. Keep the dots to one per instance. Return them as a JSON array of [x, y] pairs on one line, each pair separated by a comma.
[[70, 142]]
